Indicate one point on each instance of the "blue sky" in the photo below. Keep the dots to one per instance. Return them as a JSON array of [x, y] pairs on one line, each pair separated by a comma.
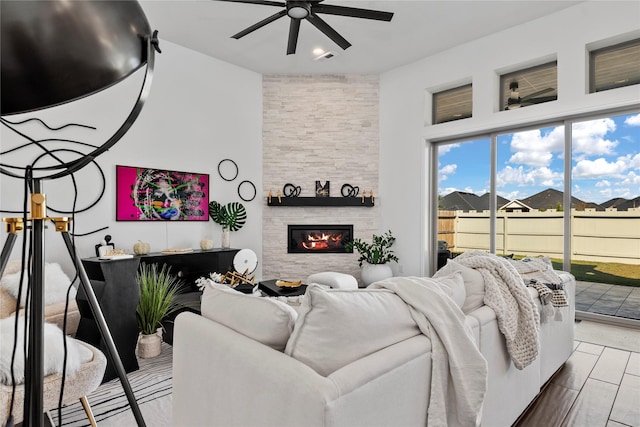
[[605, 161]]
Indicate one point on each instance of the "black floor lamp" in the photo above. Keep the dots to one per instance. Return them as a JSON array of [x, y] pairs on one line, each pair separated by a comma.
[[54, 52]]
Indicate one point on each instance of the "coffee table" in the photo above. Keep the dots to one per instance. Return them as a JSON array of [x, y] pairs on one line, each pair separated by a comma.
[[270, 288]]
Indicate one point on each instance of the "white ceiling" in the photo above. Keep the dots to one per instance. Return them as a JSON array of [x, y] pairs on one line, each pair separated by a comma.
[[417, 30]]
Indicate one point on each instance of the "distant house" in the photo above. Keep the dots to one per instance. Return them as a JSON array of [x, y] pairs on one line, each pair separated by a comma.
[[554, 199], [542, 201], [463, 201], [622, 204], [515, 206]]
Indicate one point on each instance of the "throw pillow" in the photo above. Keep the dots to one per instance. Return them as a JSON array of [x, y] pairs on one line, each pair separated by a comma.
[[265, 320], [473, 283], [452, 285], [334, 280], [53, 351], [56, 283], [338, 326]]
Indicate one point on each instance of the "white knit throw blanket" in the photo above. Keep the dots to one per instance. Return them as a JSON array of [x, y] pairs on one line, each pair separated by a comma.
[[508, 297], [458, 369]]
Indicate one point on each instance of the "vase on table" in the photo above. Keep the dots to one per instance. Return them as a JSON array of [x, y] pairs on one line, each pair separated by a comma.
[[375, 272], [226, 238]]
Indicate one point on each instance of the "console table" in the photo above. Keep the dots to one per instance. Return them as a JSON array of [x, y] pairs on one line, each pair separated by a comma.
[[114, 284]]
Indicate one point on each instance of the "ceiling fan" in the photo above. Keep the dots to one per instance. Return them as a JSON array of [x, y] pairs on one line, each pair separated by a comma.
[[309, 10], [515, 101]]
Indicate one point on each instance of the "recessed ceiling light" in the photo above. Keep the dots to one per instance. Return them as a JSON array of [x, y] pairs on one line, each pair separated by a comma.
[[318, 51]]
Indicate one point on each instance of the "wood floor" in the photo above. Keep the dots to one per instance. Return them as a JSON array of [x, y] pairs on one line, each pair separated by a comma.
[[598, 386]]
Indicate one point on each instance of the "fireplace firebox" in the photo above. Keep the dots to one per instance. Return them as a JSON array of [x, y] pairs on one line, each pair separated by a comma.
[[319, 238]]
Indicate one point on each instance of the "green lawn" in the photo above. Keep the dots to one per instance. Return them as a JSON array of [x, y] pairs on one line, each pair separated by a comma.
[[612, 273], [603, 272]]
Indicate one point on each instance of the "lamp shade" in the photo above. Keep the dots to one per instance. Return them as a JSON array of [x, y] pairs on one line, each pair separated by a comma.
[[56, 51]]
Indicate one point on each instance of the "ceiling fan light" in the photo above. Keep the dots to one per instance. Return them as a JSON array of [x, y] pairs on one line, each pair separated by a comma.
[[298, 10]]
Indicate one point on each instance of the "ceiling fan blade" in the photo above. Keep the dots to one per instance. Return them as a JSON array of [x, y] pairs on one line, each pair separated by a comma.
[[261, 2], [294, 29], [535, 94], [352, 12], [260, 24], [328, 31]]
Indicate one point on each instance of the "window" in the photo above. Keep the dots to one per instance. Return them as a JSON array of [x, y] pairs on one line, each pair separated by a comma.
[[614, 66], [531, 86], [452, 104]]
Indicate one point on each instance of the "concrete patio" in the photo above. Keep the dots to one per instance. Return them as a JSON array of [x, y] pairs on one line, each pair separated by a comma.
[[611, 300]]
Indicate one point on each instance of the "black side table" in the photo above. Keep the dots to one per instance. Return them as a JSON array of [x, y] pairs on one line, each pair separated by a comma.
[[114, 284], [270, 288]]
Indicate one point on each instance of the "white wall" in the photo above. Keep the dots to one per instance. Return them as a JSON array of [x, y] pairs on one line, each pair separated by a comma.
[[200, 111], [564, 36]]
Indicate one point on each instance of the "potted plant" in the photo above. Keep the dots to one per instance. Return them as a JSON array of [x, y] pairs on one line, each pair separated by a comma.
[[231, 217], [158, 291], [374, 257]]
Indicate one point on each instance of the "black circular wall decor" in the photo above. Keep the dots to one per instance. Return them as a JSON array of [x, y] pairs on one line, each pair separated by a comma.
[[226, 169], [349, 190], [246, 198], [291, 190]]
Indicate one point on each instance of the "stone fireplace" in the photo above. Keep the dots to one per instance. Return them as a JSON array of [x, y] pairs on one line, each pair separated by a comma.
[[334, 137], [318, 238]]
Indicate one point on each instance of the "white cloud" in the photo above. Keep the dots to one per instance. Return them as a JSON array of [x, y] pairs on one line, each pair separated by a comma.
[[447, 170], [588, 137], [634, 162], [632, 120], [532, 148], [444, 149], [512, 195], [532, 158], [603, 183], [631, 179], [600, 167], [521, 177], [447, 190], [607, 193]]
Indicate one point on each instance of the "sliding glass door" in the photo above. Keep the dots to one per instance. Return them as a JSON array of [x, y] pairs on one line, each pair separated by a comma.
[[464, 175], [605, 237], [570, 192], [530, 187]]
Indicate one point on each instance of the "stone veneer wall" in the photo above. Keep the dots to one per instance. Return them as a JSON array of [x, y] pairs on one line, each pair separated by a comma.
[[317, 127]]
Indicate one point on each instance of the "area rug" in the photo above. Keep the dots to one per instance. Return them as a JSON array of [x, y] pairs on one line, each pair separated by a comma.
[[152, 386]]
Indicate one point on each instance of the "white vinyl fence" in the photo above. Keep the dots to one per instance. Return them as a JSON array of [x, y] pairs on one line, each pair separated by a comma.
[[609, 236]]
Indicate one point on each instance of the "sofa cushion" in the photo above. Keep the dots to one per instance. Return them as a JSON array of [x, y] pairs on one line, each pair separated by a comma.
[[54, 350], [334, 280], [265, 320], [473, 283], [56, 283], [453, 285], [338, 326]]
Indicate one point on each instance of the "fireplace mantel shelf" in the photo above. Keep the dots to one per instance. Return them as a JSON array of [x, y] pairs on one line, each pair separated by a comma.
[[322, 201]]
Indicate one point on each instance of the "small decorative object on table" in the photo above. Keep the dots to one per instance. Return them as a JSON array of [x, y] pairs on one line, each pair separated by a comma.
[[206, 244], [291, 190], [141, 248], [322, 190], [349, 190], [104, 246]]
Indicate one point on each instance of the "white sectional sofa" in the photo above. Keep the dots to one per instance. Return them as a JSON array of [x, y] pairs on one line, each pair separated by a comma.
[[230, 368]]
